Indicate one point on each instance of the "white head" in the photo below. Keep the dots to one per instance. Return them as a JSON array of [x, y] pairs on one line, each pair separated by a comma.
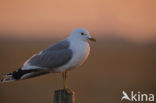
[[81, 34]]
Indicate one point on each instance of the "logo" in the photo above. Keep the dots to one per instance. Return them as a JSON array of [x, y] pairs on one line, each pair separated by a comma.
[[137, 96]]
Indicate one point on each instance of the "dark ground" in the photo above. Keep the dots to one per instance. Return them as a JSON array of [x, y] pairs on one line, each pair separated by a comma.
[[111, 68]]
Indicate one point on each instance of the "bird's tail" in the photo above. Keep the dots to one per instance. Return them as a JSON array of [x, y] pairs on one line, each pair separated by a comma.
[[20, 74], [7, 78]]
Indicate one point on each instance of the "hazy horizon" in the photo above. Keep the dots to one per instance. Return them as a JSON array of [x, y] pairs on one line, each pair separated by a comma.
[[132, 20]]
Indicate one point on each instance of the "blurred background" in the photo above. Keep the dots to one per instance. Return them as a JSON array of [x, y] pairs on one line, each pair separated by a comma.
[[124, 57]]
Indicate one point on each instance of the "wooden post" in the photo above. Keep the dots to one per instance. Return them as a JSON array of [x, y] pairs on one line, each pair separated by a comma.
[[61, 96]]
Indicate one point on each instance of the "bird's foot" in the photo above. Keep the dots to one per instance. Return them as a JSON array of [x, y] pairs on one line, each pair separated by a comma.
[[69, 91]]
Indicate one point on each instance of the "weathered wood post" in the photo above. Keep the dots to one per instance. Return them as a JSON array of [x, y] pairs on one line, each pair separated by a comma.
[[61, 96]]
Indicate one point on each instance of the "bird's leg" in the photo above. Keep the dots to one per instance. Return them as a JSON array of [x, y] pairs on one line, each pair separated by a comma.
[[64, 75], [65, 82]]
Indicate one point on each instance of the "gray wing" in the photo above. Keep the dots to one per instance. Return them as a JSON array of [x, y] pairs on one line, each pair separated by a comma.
[[54, 56], [58, 46]]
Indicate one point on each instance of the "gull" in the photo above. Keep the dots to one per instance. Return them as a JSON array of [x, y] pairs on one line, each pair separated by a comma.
[[58, 58]]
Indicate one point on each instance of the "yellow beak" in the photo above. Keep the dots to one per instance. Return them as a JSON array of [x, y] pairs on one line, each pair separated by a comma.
[[92, 39]]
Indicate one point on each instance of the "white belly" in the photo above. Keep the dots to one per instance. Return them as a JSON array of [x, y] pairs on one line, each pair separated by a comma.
[[80, 54]]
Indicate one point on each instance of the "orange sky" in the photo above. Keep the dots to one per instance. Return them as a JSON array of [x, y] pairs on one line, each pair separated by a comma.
[[133, 19]]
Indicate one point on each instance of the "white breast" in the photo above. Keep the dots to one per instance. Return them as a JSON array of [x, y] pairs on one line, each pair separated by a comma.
[[81, 51]]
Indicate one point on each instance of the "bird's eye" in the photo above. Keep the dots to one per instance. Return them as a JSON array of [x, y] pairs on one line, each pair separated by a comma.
[[82, 33]]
